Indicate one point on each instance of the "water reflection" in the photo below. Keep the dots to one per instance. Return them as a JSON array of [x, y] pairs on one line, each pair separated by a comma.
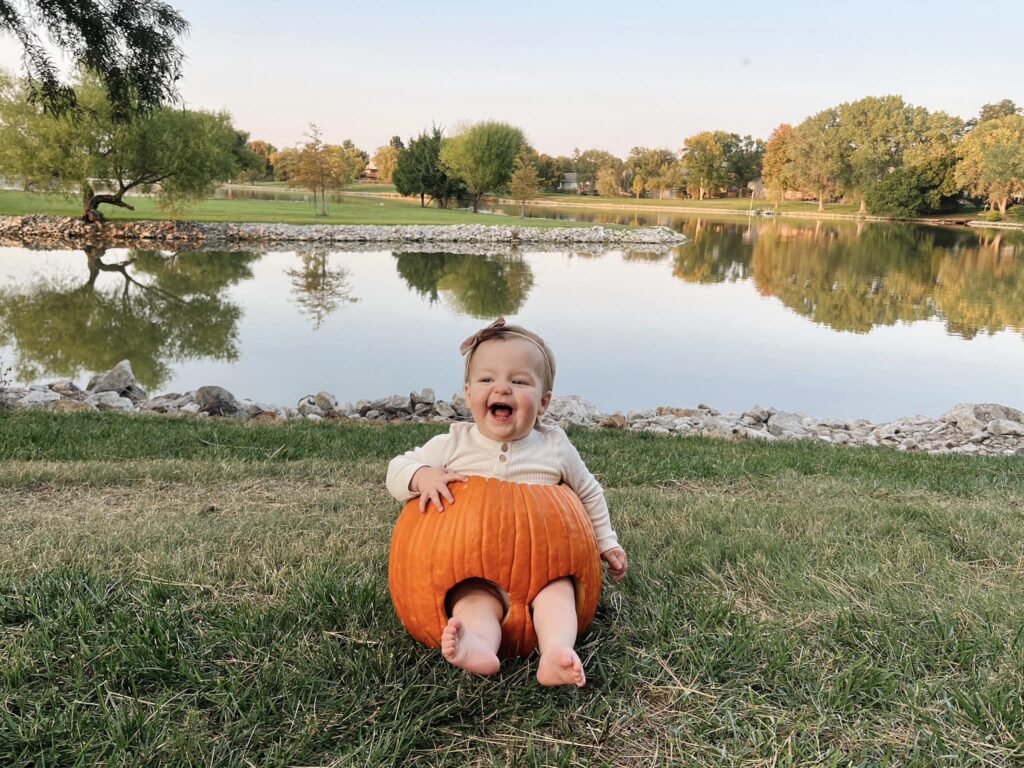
[[158, 309], [319, 288], [480, 286]]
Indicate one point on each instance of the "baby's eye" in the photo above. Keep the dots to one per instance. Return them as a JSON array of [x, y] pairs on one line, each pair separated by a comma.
[[520, 381]]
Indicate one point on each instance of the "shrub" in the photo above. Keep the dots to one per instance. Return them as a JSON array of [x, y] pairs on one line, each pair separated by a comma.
[[992, 215], [1016, 213]]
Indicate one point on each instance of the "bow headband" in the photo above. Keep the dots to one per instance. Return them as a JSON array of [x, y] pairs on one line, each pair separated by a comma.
[[498, 329]]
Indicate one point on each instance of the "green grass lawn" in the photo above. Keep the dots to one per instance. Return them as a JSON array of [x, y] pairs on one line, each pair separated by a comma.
[[353, 210], [197, 593]]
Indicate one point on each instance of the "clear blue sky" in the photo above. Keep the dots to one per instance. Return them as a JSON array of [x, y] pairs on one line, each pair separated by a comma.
[[599, 74]]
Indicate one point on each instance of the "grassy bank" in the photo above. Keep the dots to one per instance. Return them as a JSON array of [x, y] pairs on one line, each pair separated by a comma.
[[353, 210], [196, 593]]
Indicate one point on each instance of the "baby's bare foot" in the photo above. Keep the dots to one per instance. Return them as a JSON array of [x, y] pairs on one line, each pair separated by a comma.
[[467, 651], [561, 666]]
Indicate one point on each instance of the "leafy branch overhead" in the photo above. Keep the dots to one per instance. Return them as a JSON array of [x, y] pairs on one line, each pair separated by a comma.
[[132, 45]]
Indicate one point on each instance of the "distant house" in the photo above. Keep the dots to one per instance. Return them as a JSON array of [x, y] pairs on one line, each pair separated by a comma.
[[569, 183], [370, 174]]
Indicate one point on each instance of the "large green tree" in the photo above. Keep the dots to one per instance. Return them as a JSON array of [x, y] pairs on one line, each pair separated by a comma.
[[703, 161], [419, 170], [483, 155], [820, 155], [992, 160], [132, 46], [182, 151]]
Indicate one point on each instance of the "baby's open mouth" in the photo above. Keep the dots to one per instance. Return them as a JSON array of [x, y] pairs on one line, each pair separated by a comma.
[[500, 411]]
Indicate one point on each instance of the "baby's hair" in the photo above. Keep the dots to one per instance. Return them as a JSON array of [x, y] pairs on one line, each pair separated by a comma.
[[499, 329]]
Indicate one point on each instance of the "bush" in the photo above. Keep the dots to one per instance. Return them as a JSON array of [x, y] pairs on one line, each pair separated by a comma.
[[902, 194], [1016, 213], [992, 215]]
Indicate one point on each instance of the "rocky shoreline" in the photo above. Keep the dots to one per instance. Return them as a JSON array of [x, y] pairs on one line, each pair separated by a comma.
[[984, 429], [26, 230]]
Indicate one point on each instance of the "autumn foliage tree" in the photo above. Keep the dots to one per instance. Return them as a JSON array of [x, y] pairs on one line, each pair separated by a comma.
[[323, 168], [992, 160], [525, 182]]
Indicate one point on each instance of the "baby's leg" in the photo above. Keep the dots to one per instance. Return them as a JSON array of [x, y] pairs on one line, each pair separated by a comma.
[[554, 619], [471, 639]]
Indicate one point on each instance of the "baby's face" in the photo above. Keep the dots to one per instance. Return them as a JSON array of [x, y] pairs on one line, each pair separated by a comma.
[[505, 391]]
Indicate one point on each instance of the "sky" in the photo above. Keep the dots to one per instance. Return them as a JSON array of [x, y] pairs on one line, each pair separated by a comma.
[[606, 75]]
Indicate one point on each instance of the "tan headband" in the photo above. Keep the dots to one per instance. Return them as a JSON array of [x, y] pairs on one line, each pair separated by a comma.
[[495, 329]]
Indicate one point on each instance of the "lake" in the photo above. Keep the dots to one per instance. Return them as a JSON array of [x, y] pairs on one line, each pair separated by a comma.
[[832, 318]]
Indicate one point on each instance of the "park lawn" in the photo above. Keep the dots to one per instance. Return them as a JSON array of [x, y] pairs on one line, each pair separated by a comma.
[[726, 203], [181, 592], [352, 210]]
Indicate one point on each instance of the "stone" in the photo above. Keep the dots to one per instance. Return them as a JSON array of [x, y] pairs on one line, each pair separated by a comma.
[[638, 414], [117, 379], [325, 401], [425, 397], [264, 417], [757, 414], [667, 410], [108, 400], [970, 417], [708, 409], [37, 399], [216, 401], [65, 387], [1005, 427], [72, 406], [572, 409], [613, 421], [444, 410], [785, 423]]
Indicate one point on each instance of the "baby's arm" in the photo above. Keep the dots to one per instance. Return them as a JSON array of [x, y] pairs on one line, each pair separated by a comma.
[[422, 472], [589, 491]]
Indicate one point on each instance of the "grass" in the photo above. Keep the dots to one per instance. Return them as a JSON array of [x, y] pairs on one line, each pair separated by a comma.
[[353, 210], [198, 593]]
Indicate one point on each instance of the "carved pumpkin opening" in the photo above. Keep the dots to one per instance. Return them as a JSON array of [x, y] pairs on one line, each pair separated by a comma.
[[517, 536], [489, 586]]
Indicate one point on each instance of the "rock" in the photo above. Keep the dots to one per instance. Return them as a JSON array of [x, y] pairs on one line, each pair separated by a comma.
[[326, 402], [264, 417], [613, 421], [787, 424], [572, 409], [134, 392], [72, 406], [117, 379], [65, 387], [444, 410], [1005, 427], [665, 410], [216, 401], [757, 415], [708, 409], [108, 400], [970, 417], [38, 399], [425, 397], [638, 414]]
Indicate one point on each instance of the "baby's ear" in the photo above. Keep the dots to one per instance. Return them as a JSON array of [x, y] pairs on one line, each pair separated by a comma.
[[544, 403]]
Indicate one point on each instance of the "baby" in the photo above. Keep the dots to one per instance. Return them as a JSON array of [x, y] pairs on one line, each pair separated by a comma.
[[509, 375]]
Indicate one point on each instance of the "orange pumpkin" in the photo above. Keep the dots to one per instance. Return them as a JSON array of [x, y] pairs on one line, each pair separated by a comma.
[[518, 536]]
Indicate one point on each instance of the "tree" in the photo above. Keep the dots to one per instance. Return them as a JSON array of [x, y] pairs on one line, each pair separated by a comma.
[[819, 155], [777, 167], [131, 46], [552, 170], [525, 182], [483, 156], [703, 159], [285, 162], [992, 160], [265, 150], [654, 169], [182, 151], [249, 165], [319, 289], [419, 170], [1004, 108], [386, 160], [323, 167], [744, 159], [607, 182], [586, 164]]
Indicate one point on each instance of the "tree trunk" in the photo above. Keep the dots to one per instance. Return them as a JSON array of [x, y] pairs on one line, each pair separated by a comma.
[[423, 200], [476, 202], [700, 194], [91, 213], [1002, 206], [821, 202], [863, 207], [522, 210]]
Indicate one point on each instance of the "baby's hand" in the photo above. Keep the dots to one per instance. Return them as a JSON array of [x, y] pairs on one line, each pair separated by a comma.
[[431, 483], [616, 559]]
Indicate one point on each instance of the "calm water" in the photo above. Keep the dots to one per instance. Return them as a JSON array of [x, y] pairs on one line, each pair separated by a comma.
[[833, 319]]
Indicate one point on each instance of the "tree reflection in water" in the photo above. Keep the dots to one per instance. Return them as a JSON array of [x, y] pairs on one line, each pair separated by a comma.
[[480, 286], [857, 277], [319, 289], [163, 309]]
